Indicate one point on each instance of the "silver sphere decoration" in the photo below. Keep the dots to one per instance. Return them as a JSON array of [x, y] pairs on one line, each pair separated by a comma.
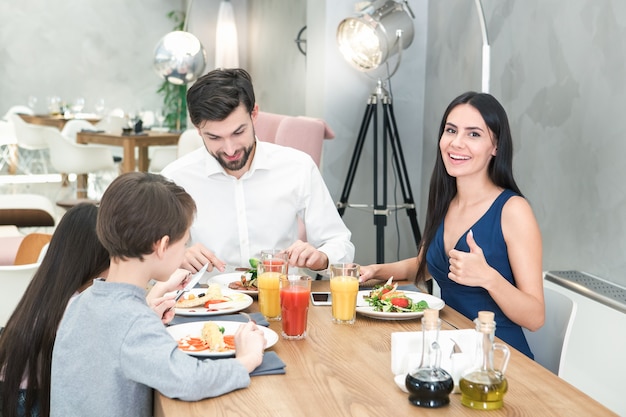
[[179, 57]]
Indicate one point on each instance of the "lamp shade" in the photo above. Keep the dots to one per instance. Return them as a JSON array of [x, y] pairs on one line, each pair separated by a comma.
[[226, 41], [179, 57], [368, 40]]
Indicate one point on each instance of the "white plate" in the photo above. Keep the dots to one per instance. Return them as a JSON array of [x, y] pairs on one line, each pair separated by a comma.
[[362, 307], [225, 279], [239, 302], [194, 329]]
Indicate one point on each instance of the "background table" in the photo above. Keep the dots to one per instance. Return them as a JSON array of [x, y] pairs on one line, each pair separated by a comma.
[[129, 142], [345, 370], [57, 121]]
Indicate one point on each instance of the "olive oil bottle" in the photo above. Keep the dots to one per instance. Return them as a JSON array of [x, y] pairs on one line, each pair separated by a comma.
[[483, 386]]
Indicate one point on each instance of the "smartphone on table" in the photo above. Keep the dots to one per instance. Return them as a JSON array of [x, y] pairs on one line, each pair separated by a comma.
[[321, 298]]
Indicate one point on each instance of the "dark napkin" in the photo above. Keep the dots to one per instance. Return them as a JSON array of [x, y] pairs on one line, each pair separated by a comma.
[[271, 365], [257, 317]]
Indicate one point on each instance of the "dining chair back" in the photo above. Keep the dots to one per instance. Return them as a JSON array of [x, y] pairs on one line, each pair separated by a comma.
[[69, 157], [32, 248], [8, 143], [549, 344], [111, 124], [304, 133], [27, 210], [188, 141], [18, 108], [30, 138], [14, 279], [72, 127]]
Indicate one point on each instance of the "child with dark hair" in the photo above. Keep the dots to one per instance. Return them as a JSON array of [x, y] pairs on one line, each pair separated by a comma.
[[111, 350]]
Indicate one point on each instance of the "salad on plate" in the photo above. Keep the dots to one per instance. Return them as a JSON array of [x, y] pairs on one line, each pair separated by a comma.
[[387, 298]]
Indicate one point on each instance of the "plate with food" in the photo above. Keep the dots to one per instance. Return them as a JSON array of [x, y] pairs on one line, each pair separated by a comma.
[[211, 301], [242, 282], [212, 339], [388, 303]]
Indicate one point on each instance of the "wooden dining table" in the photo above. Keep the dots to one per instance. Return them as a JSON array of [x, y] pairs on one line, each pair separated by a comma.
[[130, 142], [54, 120], [345, 370]]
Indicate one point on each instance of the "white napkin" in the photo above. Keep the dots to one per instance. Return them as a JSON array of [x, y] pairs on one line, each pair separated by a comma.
[[406, 353]]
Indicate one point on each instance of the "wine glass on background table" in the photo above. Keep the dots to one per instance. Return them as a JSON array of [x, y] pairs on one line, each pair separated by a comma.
[[32, 103], [159, 115], [99, 107], [78, 105]]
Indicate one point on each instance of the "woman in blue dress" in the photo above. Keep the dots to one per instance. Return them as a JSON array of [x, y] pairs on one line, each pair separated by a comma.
[[481, 241]]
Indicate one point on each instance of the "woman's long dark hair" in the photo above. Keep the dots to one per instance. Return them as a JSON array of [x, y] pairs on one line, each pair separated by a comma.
[[74, 258], [443, 186]]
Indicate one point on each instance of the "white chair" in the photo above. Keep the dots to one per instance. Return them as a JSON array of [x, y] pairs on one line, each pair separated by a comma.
[[147, 118], [30, 139], [69, 157], [8, 144], [8, 139], [13, 283], [549, 343], [111, 123], [18, 109], [72, 127], [27, 210], [189, 141]]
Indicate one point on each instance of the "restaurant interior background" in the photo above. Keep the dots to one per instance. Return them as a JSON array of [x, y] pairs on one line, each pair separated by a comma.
[[559, 69]]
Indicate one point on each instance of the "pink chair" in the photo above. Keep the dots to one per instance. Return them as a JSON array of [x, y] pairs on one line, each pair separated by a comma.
[[300, 132]]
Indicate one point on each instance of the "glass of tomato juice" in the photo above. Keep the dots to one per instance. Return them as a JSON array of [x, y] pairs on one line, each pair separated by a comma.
[[294, 305]]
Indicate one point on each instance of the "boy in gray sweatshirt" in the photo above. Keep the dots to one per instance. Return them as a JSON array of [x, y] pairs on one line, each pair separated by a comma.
[[111, 349]]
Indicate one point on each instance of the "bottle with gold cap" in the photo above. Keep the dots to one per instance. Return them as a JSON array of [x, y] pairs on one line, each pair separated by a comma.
[[430, 385], [483, 386]]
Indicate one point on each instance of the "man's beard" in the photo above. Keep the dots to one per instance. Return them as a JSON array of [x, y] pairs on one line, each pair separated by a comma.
[[238, 164]]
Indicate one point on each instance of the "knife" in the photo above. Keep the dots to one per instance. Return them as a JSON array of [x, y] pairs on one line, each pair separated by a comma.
[[195, 278]]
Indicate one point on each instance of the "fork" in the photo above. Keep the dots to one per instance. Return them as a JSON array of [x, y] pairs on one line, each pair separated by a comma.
[[246, 315]]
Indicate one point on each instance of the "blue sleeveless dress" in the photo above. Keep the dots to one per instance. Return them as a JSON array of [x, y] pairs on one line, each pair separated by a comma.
[[470, 300]]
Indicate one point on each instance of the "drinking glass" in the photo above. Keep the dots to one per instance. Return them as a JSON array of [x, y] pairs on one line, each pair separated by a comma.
[[99, 106], [78, 105], [54, 105], [32, 102], [272, 266], [159, 115], [295, 291], [344, 288]]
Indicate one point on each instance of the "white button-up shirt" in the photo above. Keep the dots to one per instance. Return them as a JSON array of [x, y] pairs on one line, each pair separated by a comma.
[[238, 218]]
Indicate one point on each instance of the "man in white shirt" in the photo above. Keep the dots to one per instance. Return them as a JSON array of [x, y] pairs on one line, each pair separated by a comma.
[[251, 194]]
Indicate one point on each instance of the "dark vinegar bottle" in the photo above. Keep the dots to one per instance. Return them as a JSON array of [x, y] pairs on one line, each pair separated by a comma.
[[430, 385]]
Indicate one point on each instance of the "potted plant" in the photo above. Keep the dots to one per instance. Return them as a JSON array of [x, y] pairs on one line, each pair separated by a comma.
[[174, 96]]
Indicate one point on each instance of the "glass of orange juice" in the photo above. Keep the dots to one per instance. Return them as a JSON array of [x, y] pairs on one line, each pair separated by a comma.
[[344, 288], [272, 266]]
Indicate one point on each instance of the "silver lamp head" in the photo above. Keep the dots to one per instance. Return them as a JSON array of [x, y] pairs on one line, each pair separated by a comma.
[[179, 57], [382, 29]]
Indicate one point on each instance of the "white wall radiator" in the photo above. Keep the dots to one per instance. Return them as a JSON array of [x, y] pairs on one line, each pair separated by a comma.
[[595, 358]]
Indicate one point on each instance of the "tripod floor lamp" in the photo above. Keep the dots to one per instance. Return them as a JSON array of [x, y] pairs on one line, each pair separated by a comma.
[[382, 29]]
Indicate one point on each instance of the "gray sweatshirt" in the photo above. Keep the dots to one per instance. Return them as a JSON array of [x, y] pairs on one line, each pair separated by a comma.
[[111, 350]]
